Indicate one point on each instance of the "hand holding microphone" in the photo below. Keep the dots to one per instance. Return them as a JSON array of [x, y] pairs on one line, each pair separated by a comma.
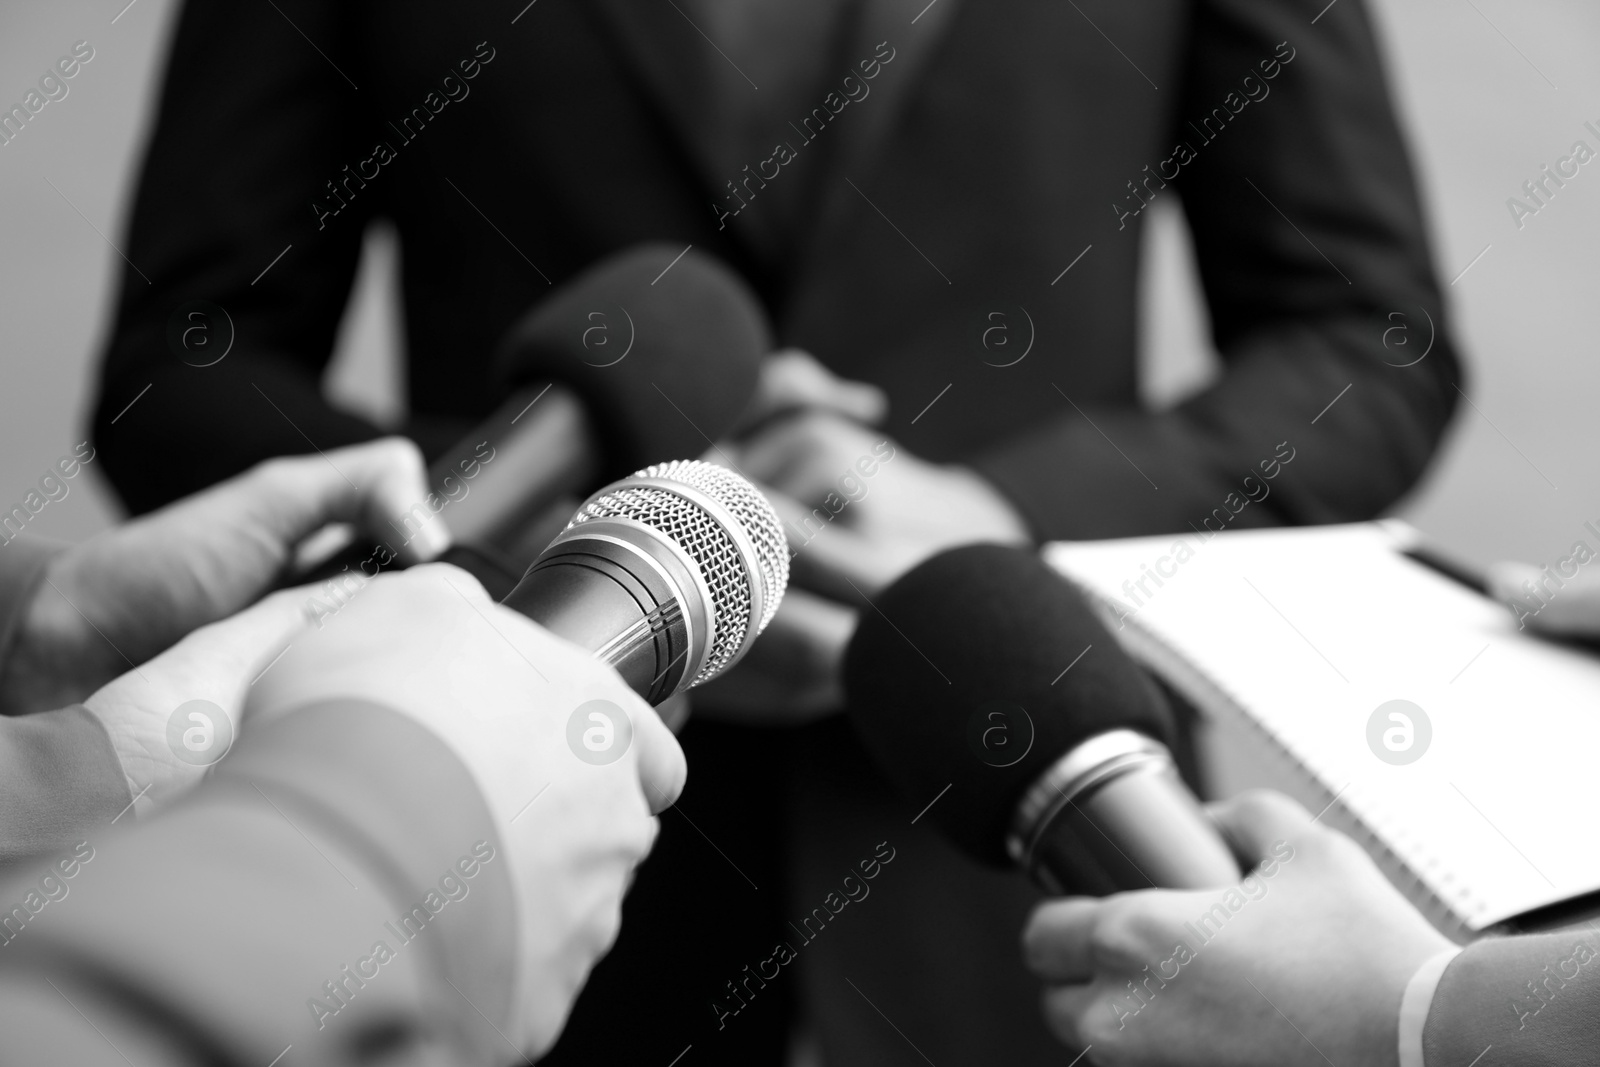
[[501, 692], [982, 672], [1199, 977]]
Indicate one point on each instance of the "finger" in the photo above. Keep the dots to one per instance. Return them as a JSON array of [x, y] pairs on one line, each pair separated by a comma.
[[792, 377], [1546, 600], [233, 654], [380, 487], [1066, 1008], [464, 583], [826, 557], [792, 673], [809, 633], [674, 712], [1255, 821], [841, 564], [811, 456], [1056, 941], [663, 770]]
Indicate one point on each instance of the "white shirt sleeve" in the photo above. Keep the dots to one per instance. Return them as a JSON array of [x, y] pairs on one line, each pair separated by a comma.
[[1415, 1003]]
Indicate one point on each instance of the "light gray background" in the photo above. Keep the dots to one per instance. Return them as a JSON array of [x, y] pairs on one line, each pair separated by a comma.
[[1489, 90]]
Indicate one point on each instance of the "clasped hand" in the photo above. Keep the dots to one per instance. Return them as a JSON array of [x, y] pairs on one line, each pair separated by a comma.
[[859, 510]]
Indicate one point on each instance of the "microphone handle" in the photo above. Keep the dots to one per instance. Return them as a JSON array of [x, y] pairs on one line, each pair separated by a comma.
[[541, 452], [1114, 815], [632, 608], [544, 450]]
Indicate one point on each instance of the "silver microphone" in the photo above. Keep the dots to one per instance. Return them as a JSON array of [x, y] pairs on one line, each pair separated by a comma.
[[1113, 814], [668, 575]]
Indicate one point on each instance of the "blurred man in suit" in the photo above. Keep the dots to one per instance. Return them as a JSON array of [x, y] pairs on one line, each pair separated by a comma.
[[1321, 961], [400, 862], [943, 200]]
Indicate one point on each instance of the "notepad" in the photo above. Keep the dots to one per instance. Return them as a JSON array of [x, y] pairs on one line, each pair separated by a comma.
[[1301, 635]]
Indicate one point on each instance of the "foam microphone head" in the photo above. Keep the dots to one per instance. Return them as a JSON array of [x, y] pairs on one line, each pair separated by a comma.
[[959, 678], [663, 346]]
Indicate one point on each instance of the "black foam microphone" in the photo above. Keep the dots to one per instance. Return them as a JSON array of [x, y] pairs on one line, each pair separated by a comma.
[[667, 575], [985, 680], [650, 352]]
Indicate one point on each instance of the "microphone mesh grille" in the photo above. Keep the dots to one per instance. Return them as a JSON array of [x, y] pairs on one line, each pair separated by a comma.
[[710, 544]]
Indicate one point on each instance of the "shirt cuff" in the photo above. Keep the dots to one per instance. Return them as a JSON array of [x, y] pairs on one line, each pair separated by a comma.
[[1415, 1003]]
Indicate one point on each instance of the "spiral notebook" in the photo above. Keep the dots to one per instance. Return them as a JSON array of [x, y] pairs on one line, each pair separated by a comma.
[[1303, 637]]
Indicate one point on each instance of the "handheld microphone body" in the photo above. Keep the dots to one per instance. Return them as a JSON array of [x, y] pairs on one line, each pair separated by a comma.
[[543, 450], [1113, 814], [956, 683]]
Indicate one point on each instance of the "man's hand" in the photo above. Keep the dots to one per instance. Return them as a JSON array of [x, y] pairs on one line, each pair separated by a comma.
[[792, 379], [791, 675], [502, 692], [860, 511], [1303, 964], [1547, 601], [214, 664], [127, 594]]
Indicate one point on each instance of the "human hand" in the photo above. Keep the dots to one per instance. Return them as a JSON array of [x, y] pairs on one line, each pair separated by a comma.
[[791, 675], [215, 664], [127, 594], [499, 690], [1304, 963], [1548, 601], [861, 511], [792, 378]]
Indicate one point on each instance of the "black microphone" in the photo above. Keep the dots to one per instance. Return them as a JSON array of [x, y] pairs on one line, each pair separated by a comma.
[[985, 684], [650, 352], [667, 575]]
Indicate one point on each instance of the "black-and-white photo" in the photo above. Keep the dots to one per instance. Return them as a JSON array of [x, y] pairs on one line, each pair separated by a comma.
[[799, 533]]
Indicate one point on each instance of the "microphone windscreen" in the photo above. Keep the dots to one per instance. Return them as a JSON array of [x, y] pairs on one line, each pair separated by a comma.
[[960, 678], [663, 346]]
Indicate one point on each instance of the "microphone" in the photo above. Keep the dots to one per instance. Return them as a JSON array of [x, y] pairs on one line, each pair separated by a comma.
[[985, 684], [649, 352], [668, 575]]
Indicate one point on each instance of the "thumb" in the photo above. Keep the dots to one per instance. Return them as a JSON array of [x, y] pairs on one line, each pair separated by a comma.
[[380, 487], [223, 660], [1569, 605], [662, 767], [1254, 822], [215, 664]]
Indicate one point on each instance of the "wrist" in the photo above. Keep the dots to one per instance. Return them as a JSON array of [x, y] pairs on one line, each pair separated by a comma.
[[54, 659]]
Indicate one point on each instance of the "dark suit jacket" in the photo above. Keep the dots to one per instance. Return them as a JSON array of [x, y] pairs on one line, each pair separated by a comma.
[[1001, 141], [1000, 144]]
